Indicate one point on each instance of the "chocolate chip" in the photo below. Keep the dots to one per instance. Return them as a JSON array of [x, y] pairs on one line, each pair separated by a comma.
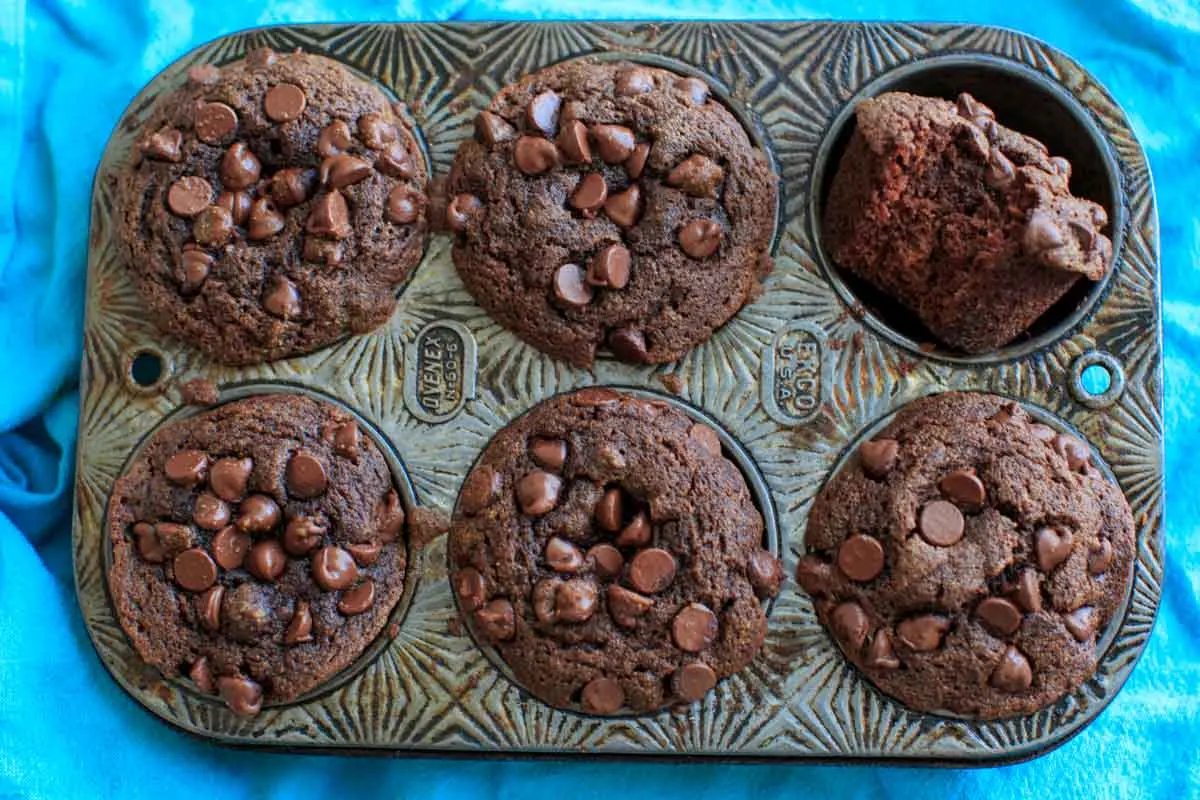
[[188, 196], [602, 696], [629, 345], [229, 547], [302, 535], [614, 142], [305, 476], [246, 612], [590, 194], [395, 161], [201, 675], [999, 172], [575, 600], [196, 265], [636, 533], [698, 175], [460, 210], [692, 681], [240, 168], [404, 205], [1042, 233], [259, 514], [210, 512], [282, 299], [1013, 673], [543, 601], [492, 129], [340, 171], [606, 560], [1043, 432], [242, 695], [149, 546], [537, 492], [1061, 166], [470, 587], [634, 81], [194, 570], [346, 440], [215, 121], [636, 163], [174, 537], [163, 145], [542, 112], [203, 75], [861, 558], [291, 186], [261, 57], [376, 132], [924, 633], [329, 216], [694, 89], [700, 238], [594, 396], [358, 599], [237, 204], [652, 570], [849, 624], [570, 288], [391, 517], [573, 142], [534, 155], [1100, 557], [878, 457], [1000, 616], [284, 102], [479, 490], [1052, 547], [228, 478], [334, 139], [941, 523], [964, 488], [365, 554], [971, 108], [609, 510], [694, 628], [610, 267], [813, 575], [765, 574], [1028, 592], [626, 606], [265, 220], [1076, 453], [267, 560], [708, 439], [496, 621], [562, 556], [299, 629], [187, 467], [213, 227], [1082, 623], [880, 654], [334, 569], [208, 608], [548, 453]]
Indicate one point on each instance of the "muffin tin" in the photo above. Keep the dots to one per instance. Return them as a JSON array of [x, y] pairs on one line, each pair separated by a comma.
[[791, 383]]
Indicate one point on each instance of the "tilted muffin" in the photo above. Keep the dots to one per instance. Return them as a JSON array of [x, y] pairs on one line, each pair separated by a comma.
[[968, 224], [612, 554], [968, 558], [257, 548], [271, 207], [611, 204]]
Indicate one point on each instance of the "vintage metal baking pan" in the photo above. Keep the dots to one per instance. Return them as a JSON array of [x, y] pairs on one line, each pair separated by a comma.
[[793, 381]]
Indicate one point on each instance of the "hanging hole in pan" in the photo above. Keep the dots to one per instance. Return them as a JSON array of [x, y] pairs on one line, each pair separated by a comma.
[[146, 370], [1097, 379], [1026, 101]]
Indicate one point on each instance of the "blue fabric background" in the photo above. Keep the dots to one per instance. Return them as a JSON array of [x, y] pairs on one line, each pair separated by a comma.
[[68, 68]]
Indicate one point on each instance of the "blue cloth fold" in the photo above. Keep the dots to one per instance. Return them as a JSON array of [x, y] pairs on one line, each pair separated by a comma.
[[67, 70]]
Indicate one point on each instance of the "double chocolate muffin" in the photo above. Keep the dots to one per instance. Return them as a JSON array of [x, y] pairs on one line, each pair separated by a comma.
[[611, 204], [968, 558], [258, 548], [612, 554], [271, 206], [969, 225]]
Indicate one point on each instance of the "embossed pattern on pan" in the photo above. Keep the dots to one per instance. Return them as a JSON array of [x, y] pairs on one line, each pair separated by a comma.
[[794, 377]]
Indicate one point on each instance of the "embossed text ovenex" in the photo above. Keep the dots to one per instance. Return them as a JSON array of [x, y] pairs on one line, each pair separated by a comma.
[[793, 381]]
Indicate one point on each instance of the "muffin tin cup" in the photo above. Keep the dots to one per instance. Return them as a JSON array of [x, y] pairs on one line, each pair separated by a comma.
[[793, 380]]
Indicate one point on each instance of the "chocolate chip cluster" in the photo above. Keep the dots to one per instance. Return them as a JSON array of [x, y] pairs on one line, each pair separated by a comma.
[[238, 540]]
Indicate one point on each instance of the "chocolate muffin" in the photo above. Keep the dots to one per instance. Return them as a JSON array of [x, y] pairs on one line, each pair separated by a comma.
[[611, 204], [271, 206], [968, 558], [612, 554], [257, 548], [969, 225]]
